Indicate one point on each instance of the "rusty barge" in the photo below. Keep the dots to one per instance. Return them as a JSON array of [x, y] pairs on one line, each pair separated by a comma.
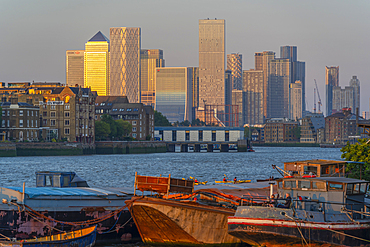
[[63, 202]]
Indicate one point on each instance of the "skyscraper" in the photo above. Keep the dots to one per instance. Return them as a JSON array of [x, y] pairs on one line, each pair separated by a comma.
[[253, 97], [125, 46], [278, 88], [289, 52], [355, 83], [96, 65], [150, 60], [235, 65], [331, 80], [295, 100], [211, 62], [75, 68]]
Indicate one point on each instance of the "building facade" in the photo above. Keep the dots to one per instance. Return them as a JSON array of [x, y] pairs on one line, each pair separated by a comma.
[[312, 128], [295, 100], [235, 65], [237, 100], [139, 115], [342, 98], [125, 46], [75, 68], [331, 81], [174, 88], [253, 83], [150, 60], [96, 64], [212, 62], [355, 84], [281, 130]]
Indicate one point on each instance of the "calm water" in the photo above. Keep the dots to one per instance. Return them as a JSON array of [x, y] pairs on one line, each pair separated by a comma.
[[119, 170]]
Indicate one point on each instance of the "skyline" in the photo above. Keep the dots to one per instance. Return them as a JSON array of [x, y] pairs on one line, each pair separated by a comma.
[[325, 33]]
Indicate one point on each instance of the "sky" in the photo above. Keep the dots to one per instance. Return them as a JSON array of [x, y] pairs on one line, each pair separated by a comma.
[[35, 35]]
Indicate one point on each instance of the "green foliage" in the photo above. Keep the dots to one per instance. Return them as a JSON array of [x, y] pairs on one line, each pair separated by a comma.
[[297, 132], [124, 128], [113, 127], [160, 120], [359, 152], [148, 137], [197, 122], [108, 128], [102, 130]]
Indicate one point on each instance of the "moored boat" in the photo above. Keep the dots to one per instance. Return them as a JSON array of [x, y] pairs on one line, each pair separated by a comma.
[[84, 237], [322, 211], [233, 182]]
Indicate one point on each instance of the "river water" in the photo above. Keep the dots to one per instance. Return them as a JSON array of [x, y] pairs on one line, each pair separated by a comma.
[[119, 170]]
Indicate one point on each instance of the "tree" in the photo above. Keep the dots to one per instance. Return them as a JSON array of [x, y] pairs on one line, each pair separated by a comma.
[[102, 130], [359, 152], [113, 126], [197, 122], [124, 128], [160, 120], [185, 123]]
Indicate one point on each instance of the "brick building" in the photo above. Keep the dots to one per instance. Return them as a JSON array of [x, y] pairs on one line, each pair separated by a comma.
[[281, 130]]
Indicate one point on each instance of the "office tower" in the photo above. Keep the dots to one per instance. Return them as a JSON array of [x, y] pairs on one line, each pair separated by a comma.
[[174, 93], [228, 86], [125, 46], [298, 72], [355, 83], [75, 68], [212, 62], [253, 82], [262, 60], [96, 66], [235, 64], [278, 88], [237, 100], [150, 60], [331, 80], [195, 91], [295, 101]]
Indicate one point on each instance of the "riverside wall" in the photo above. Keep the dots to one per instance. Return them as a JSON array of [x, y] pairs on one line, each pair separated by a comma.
[[134, 147]]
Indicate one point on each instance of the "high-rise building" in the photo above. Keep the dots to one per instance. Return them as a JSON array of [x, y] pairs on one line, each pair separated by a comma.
[[342, 98], [331, 80], [262, 60], [253, 83], [295, 100], [125, 46], [174, 93], [211, 62], [355, 83], [237, 100], [75, 68], [235, 64], [150, 60], [298, 69], [96, 64], [278, 88]]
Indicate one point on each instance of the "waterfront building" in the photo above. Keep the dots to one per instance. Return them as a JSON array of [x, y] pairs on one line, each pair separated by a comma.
[[253, 83], [342, 98], [331, 81], [139, 115], [174, 89], [150, 60], [212, 62], [279, 130], [295, 101], [262, 62], [355, 84], [312, 128], [235, 65], [20, 121], [278, 88], [96, 64], [125, 46], [75, 68]]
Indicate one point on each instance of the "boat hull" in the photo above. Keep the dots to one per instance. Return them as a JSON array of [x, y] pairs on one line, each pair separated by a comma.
[[167, 222]]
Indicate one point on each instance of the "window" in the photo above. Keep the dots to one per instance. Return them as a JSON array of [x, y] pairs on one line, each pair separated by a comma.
[[32, 113], [3, 123], [133, 122], [28, 123], [45, 114], [134, 129], [115, 109], [20, 113], [140, 129], [290, 184], [140, 122], [66, 131], [227, 136], [52, 114], [45, 122], [141, 116], [28, 113], [67, 107], [52, 122], [213, 135], [187, 136], [66, 114], [21, 123], [8, 113], [129, 109], [334, 186], [52, 107], [32, 123], [3, 113], [174, 135], [134, 135], [122, 109], [36, 123], [136, 109], [66, 122], [304, 184], [200, 135], [36, 113]]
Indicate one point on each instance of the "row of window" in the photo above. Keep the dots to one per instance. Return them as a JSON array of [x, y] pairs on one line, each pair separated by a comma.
[[200, 135], [7, 113], [29, 124]]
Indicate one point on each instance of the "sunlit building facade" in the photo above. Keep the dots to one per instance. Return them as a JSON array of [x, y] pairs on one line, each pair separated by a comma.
[[96, 64], [75, 68], [211, 62], [150, 60], [253, 97], [125, 46], [295, 101], [331, 81], [174, 93], [235, 65]]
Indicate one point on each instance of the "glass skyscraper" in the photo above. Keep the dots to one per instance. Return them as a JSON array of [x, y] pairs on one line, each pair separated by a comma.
[[150, 60], [174, 93], [75, 68], [96, 64], [125, 46], [253, 96], [331, 81], [235, 65]]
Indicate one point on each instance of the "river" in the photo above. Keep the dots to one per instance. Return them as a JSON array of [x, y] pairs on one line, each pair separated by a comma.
[[119, 170]]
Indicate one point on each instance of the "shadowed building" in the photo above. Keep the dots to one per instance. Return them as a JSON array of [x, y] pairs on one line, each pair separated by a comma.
[[125, 46], [235, 65], [75, 68], [96, 65], [331, 81], [150, 60], [355, 83]]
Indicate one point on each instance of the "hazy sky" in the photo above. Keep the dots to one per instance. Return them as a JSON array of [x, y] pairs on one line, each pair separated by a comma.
[[36, 34]]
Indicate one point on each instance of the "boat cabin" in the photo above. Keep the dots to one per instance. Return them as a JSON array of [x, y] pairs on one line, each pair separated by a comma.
[[334, 192], [59, 179], [319, 168]]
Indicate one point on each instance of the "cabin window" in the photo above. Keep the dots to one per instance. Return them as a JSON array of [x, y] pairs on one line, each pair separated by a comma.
[[349, 188], [48, 180], [280, 184], [333, 186], [363, 188], [40, 181], [318, 185], [66, 181], [290, 184], [304, 184], [56, 181], [359, 188], [310, 169]]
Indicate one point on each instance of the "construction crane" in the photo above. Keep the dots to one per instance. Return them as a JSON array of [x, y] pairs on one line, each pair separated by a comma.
[[318, 95]]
